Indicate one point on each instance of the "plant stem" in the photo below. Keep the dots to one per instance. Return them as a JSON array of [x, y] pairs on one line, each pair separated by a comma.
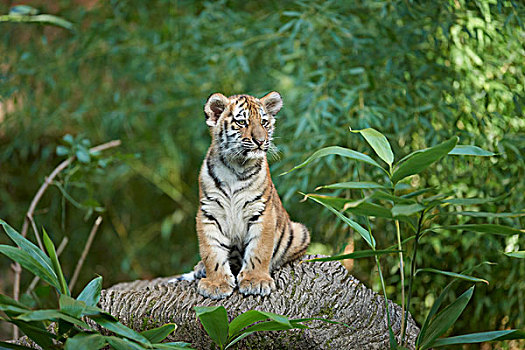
[[412, 272], [402, 274]]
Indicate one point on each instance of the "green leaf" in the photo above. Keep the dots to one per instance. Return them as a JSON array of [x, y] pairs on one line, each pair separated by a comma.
[[359, 207], [432, 312], [336, 150], [28, 247], [37, 332], [468, 150], [5, 300], [446, 318], [83, 155], [252, 316], [481, 337], [51, 315], [481, 214], [23, 10], [70, 306], [484, 228], [4, 345], [418, 161], [122, 343], [472, 201], [68, 138], [453, 274], [156, 335], [173, 346], [355, 255], [215, 322], [519, 255], [50, 248], [351, 185], [85, 341], [91, 293], [379, 143], [110, 323], [362, 231], [30, 264], [62, 151], [406, 209]]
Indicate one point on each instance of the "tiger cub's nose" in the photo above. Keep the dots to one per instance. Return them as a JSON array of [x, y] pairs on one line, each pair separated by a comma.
[[257, 141]]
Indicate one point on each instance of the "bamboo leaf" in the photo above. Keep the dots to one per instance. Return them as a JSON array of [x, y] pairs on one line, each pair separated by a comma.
[[453, 274], [379, 143], [468, 150], [480, 337], [351, 185], [519, 254], [215, 322], [156, 335], [355, 255], [110, 323], [50, 248], [85, 341], [406, 209], [418, 161], [252, 316], [91, 293], [340, 151], [484, 228]]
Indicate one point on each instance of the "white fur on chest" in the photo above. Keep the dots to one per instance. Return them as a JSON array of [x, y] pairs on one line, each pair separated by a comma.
[[234, 207]]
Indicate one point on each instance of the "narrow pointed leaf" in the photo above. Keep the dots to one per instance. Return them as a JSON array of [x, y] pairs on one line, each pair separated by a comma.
[[351, 185], [406, 209], [122, 343], [110, 323], [215, 322], [156, 335], [446, 318], [37, 332], [4, 345], [178, 345], [355, 255], [360, 229], [482, 214], [70, 306], [50, 248], [340, 151], [54, 315], [472, 201], [252, 316], [419, 161], [5, 300], [433, 310], [29, 263], [27, 246], [519, 255], [481, 337], [484, 228], [379, 143], [453, 274], [468, 150], [91, 293]]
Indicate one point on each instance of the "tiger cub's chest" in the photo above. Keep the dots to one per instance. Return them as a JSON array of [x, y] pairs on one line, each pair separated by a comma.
[[235, 201]]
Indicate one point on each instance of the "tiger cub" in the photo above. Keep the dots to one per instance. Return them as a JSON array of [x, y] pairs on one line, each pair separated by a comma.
[[244, 232]]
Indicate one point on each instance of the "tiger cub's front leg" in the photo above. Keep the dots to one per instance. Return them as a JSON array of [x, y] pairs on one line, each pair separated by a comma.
[[219, 281], [254, 277]]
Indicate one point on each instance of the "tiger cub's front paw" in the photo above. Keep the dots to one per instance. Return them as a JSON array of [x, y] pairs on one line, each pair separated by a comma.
[[255, 283], [215, 289]]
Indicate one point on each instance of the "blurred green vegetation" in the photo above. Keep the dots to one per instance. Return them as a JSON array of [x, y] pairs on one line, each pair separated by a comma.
[[418, 71]]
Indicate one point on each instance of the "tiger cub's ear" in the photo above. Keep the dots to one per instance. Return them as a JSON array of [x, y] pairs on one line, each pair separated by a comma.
[[272, 102], [214, 107]]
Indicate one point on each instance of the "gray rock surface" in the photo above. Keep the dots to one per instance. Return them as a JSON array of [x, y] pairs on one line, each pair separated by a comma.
[[304, 290]]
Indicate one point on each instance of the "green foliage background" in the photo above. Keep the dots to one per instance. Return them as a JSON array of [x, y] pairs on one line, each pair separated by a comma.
[[140, 71]]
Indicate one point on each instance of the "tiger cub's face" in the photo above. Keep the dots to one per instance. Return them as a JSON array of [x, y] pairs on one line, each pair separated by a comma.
[[242, 125]]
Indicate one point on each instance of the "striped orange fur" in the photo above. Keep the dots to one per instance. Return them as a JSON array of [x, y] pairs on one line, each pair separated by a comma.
[[244, 232]]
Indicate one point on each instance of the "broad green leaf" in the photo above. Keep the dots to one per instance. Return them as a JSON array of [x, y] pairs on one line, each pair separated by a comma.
[[83, 155], [379, 143], [13, 311], [85, 341], [50, 248], [359, 207], [355, 255], [274, 326], [215, 322], [362, 231], [53, 315], [37, 332], [28, 247], [179, 345], [122, 343], [446, 318], [71, 306], [91, 293], [485, 228], [419, 161], [519, 255], [156, 335], [4, 345], [382, 195], [62, 151], [5, 300], [472, 201], [406, 209], [351, 185], [453, 274], [468, 150], [481, 337], [252, 316], [110, 323], [340, 151], [42, 19], [30, 264]]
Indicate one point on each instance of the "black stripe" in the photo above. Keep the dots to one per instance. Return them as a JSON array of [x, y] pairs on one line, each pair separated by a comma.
[[253, 200], [305, 236], [211, 199], [253, 265], [289, 243], [276, 248], [212, 218], [220, 244], [214, 177], [216, 266], [258, 260]]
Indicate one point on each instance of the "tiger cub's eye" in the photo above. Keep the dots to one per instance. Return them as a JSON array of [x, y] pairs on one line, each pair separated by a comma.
[[264, 122], [241, 123]]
